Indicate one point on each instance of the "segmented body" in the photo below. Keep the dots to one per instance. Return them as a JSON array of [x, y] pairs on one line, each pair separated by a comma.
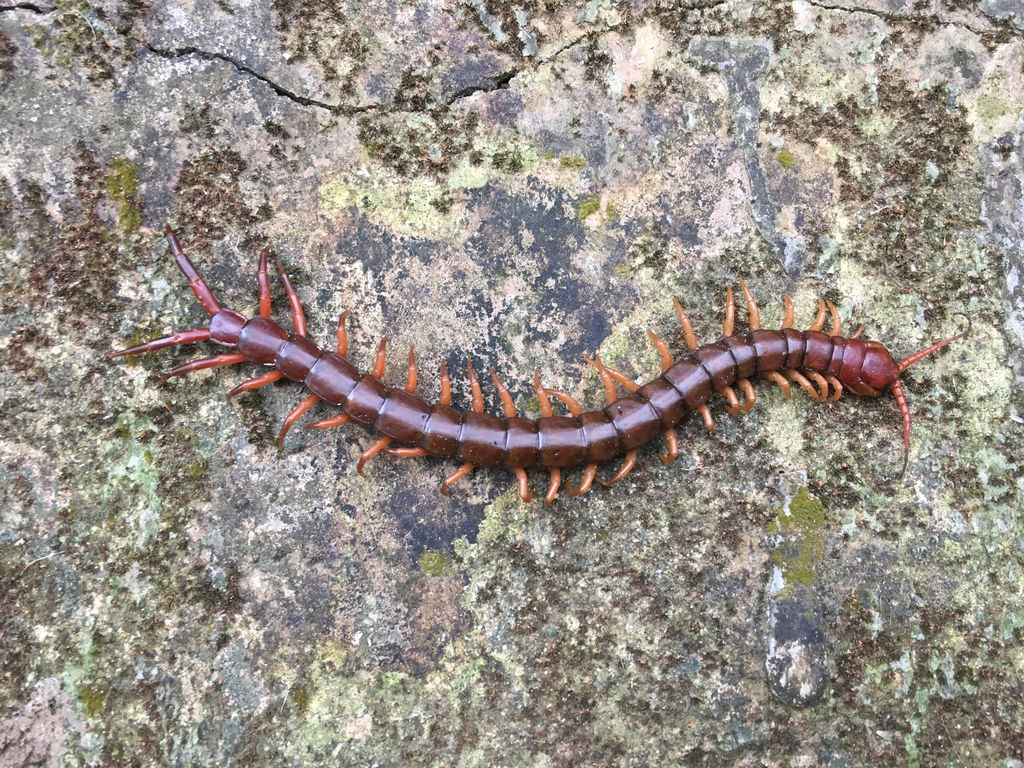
[[581, 438], [485, 439]]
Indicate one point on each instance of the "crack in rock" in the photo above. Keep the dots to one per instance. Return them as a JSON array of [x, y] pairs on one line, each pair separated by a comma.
[[903, 17], [27, 7], [177, 53], [487, 85], [491, 83]]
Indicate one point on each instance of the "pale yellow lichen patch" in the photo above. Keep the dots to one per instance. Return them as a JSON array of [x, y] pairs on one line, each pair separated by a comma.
[[878, 125], [335, 195], [1001, 101], [982, 377], [468, 176], [855, 284], [784, 428]]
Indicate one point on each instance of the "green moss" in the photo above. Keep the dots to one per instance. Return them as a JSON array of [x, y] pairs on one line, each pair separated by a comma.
[[589, 206], [433, 562], [299, 697], [121, 183], [91, 699], [572, 162], [786, 160], [805, 513], [803, 545], [197, 469], [122, 179]]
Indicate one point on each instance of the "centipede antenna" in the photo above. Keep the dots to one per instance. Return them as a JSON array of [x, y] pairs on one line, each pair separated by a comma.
[[897, 390], [906, 362]]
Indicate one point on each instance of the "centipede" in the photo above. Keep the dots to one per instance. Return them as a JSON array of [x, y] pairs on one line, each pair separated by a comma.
[[824, 364]]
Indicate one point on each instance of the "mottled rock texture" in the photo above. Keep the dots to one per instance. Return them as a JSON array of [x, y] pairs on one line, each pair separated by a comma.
[[525, 183]]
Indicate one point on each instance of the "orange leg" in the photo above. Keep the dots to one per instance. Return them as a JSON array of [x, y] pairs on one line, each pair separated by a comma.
[[455, 476], [474, 385], [748, 392], [199, 365], [259, 381], [342, 334], [446, 386], [705, 413], [524, 487], [855, 335], [777, 378], [609, 385], [478, 406], [787, 322], [666, 356], [410, 383], [734, 402], [552, 494], [410, 387], [176, 338], [507, 405], [378, 366], [509, 408], [730, 313], [624, 470], [668, 434], [755, 315], [264, 283], [407, 453], [684, 321], [820, 381], [589, 473], [570, 402], [334, 421], [794, 375], [292, 417], [837, 324], [673, 446], [542, 395], [837, 385], [819, 320], [627, 383], [373, 450]]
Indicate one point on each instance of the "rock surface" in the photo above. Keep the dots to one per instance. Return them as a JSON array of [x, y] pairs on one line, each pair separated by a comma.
[[525, 183]]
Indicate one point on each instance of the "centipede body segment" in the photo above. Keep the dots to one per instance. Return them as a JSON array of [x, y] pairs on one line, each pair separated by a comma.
[[409, 426]]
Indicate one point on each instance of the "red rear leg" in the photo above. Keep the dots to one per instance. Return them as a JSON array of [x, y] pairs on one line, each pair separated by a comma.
[[176, 338], [195, 282], [199, 365]]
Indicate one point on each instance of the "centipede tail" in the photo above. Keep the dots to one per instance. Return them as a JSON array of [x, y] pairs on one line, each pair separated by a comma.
[[825, 365]]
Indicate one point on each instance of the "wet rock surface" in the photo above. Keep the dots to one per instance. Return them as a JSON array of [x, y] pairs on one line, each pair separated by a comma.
[[524, 184]]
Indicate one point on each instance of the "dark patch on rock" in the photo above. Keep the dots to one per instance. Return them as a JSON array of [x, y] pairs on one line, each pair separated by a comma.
[[429, 522], [559, 290]]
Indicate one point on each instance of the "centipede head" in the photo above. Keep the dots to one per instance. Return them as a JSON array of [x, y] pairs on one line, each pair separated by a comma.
[[897, 389]]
